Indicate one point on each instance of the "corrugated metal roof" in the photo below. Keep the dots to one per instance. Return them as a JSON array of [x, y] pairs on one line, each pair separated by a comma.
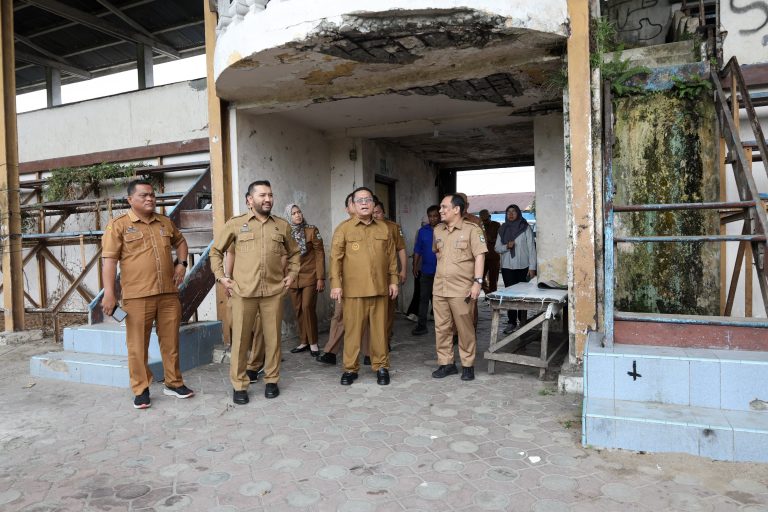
[[178, 24]]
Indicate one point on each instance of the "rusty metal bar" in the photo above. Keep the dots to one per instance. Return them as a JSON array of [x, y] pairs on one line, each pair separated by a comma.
[[736, 272], [692, 319], [609, 247], [696, 238], [682, 206]]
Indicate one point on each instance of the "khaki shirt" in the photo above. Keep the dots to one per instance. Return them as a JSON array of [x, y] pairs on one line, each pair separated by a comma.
[[456, 250], [397, 234], [491, 232], [363, 261], [144, 252], [259, 247], [311, 264]]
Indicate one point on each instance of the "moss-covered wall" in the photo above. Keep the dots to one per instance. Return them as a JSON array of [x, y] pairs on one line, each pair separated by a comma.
[[665, 152]]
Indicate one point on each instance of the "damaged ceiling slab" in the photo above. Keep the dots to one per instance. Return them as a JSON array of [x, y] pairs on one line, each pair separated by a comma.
[[456, 86]]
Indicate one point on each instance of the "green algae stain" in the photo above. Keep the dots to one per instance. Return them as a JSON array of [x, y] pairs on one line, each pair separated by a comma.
[[665, 152]]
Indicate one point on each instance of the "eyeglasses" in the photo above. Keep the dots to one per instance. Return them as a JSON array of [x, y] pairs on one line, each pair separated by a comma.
[[364, 200]]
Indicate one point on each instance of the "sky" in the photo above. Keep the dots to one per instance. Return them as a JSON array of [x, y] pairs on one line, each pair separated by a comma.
[[496, 181], [166, 73]]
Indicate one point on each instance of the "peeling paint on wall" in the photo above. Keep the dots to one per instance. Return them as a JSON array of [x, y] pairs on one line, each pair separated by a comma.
[[320, 77]]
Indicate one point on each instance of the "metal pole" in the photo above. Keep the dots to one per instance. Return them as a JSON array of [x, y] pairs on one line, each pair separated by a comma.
[[608, 234]]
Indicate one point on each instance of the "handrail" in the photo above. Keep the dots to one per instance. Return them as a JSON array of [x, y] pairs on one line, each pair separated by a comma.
[[733, 68]]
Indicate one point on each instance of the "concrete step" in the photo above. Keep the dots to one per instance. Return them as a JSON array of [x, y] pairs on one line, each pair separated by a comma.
[[103, 370], [718, 379], [641, 426], [97, 354]]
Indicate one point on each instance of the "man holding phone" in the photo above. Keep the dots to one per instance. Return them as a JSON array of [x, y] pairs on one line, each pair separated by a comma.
[[460, 249], [143, 241]]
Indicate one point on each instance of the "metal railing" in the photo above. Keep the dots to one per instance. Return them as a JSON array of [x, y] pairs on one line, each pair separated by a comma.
[[753, 212]]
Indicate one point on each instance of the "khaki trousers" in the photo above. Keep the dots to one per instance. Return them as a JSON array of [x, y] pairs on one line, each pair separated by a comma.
[[390, 317], [448, 311], [304, 302], [256, 355], [165, 310], [361, 313], [244, 311], [337, 332]]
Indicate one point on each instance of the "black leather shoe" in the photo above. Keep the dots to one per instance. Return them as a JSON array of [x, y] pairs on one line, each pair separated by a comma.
[[367, 361], [271, 391], [418, 331], [253, 375], [445, 370], [240, 397], [296, 350], [467, 373], [347, 378], [314, 353], [327, 358], [382, 377]]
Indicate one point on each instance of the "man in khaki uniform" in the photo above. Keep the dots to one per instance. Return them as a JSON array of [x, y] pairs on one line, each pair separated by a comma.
[[142, 241], [257, 284], [460, 249], [364, 274], [397, 234]]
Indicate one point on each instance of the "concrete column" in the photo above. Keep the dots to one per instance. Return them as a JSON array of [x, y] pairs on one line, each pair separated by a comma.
[[10, 208], [145, 66], [221, 171], [53, 87], [580, 184], [551, 216], [346, 160]]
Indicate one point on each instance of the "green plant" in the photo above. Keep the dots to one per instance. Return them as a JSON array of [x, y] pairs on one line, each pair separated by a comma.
[[567, 423], [620, 73], [69, 183], [546, 391], [605, 39], [690, 88], [557, 81]]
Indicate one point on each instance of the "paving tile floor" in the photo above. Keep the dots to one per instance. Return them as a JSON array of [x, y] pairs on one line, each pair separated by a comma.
[[502, 442]]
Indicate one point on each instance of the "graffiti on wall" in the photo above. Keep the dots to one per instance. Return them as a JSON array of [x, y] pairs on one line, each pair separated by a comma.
[[641, 21], [759, 10]]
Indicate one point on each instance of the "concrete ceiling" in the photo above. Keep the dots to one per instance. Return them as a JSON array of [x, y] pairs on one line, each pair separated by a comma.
[[459, 94]]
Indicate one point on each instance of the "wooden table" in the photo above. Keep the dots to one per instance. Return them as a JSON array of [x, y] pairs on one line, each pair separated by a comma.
[[547, 304]]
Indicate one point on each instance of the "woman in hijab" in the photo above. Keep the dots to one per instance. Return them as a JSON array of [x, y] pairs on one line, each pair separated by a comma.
[[311, 280], [518, 257]]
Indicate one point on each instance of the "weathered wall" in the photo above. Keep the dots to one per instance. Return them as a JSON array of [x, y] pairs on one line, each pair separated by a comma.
[[415, 191], [170, 113], [551, 220], [747, 26], [641, 22], [665, 152], [296, 160]]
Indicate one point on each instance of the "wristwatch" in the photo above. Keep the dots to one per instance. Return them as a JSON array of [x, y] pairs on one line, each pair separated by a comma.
[[177, 262], [478, 280]]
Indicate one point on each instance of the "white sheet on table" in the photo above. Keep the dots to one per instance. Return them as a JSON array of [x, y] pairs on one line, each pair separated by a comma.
[[529, 292]]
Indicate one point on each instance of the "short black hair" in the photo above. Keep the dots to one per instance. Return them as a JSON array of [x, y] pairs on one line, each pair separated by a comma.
[[348, 199], [433, 208], [457, 200], [378, 203], [362, 189], [257, 183], [135, 183]]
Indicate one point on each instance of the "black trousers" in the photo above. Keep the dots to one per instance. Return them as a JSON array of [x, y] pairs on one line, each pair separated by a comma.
[[425, 284], [413, 307], [513, 276]]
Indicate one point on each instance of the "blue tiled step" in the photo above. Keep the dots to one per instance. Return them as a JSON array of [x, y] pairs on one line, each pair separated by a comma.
[[727, 379], [97, 354], [715, 433]]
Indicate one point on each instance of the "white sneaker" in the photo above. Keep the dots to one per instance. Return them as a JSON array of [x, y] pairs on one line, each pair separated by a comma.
[[412, 318]]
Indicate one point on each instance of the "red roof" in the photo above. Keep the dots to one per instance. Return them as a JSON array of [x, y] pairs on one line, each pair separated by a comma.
[[497, 203]]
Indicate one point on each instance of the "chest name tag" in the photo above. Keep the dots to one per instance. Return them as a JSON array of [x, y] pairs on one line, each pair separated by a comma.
[[244, 229]]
